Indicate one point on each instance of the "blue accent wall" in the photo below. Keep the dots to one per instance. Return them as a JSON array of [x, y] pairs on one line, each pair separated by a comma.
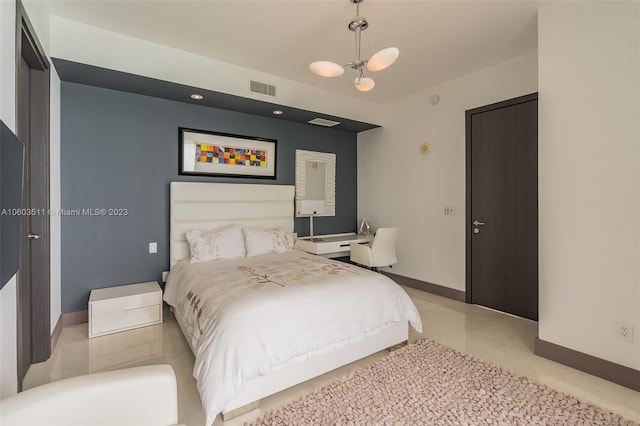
[[120, 151]]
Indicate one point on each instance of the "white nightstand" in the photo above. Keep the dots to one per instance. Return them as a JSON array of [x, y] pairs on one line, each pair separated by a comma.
[[335, 245], [124, 307]]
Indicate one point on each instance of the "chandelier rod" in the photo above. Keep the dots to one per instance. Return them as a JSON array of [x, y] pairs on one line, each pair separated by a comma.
[[358, 32]]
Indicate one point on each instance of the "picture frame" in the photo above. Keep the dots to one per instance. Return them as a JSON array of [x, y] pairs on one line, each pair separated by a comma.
[[209, 153]]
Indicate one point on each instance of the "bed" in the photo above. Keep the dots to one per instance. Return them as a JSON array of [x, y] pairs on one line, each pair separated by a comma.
[[262, 322]]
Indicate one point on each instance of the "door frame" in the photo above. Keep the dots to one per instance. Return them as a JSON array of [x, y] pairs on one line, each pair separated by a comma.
[[37, 115], [468, 187]]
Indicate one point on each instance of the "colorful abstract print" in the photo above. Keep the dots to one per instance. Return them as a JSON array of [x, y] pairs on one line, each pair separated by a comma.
[[217, 154]]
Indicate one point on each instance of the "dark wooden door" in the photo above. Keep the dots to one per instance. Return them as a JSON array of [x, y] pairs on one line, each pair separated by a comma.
[[24, 275], [32, 125], [502, 206]]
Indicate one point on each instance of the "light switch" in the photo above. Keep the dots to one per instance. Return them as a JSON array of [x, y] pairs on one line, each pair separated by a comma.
[[153, 248]]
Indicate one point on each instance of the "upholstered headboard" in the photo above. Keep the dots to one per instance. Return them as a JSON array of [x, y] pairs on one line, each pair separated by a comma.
[[206, 206]]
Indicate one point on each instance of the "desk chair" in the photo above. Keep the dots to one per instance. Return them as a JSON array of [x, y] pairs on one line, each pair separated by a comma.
[[381, 251]]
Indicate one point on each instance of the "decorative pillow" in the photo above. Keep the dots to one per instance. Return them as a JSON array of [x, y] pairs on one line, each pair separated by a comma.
[[259, 241], [224, 243], [291, 240]]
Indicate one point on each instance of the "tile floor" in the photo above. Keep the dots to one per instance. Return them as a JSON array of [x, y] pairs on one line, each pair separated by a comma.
[[498, 338]]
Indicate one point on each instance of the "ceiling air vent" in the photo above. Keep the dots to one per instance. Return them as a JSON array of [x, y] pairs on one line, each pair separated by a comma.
[[262, 88], [323, 122]]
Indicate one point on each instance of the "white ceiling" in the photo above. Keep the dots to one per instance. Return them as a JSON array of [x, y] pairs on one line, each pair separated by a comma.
[[438, 40]]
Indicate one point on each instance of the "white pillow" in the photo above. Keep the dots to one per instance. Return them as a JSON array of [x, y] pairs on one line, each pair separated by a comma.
[[224, 243], [259, 241]]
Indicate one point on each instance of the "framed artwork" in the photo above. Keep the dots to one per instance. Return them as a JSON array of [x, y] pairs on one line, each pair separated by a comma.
[[222, 154]]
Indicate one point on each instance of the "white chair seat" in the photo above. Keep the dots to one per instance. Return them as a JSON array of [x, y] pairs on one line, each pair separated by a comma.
[[134, 396]]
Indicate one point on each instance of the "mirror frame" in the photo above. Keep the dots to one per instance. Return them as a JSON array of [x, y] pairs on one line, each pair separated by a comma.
[[329, 159]]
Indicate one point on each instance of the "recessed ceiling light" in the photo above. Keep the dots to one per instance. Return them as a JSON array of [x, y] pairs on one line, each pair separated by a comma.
[[196, 96], [277, 112]]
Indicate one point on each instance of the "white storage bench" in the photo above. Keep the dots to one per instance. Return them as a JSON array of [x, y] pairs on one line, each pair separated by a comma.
[[124, 307]]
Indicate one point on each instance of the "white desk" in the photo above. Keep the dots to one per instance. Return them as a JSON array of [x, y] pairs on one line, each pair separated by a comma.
[[334, 245]]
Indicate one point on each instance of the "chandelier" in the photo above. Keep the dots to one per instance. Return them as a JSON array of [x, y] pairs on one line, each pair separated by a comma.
[[379, 61]]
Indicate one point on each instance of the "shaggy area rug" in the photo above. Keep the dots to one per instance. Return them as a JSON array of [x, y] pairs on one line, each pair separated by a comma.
[[426, 383]]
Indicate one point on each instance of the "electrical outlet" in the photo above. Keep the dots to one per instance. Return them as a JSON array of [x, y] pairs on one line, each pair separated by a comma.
[[153, 248], [165, 274], [625, 331]]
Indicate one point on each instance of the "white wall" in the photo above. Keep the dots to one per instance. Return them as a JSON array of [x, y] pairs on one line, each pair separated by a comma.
[[120, 52], [398, 186], [7, 63], [589, 72], [8, 324], [8, 340], [40, 20]]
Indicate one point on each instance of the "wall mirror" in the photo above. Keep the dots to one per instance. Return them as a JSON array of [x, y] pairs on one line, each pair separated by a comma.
[[316, 180]]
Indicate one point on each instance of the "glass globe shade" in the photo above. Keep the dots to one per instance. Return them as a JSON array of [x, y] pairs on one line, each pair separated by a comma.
[[383, 59], [364, 84], [326, 69]]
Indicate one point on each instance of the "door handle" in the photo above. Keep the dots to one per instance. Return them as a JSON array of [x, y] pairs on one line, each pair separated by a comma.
[[476, 223], [33, 236]]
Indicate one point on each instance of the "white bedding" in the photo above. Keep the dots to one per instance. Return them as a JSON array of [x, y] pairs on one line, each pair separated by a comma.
[[246, 317]]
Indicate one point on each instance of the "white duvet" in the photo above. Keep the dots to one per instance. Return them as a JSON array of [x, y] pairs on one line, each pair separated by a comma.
[[247, 317]]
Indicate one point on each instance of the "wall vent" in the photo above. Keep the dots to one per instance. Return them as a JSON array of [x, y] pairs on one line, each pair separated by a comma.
[[323, 122], [262, 88]]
